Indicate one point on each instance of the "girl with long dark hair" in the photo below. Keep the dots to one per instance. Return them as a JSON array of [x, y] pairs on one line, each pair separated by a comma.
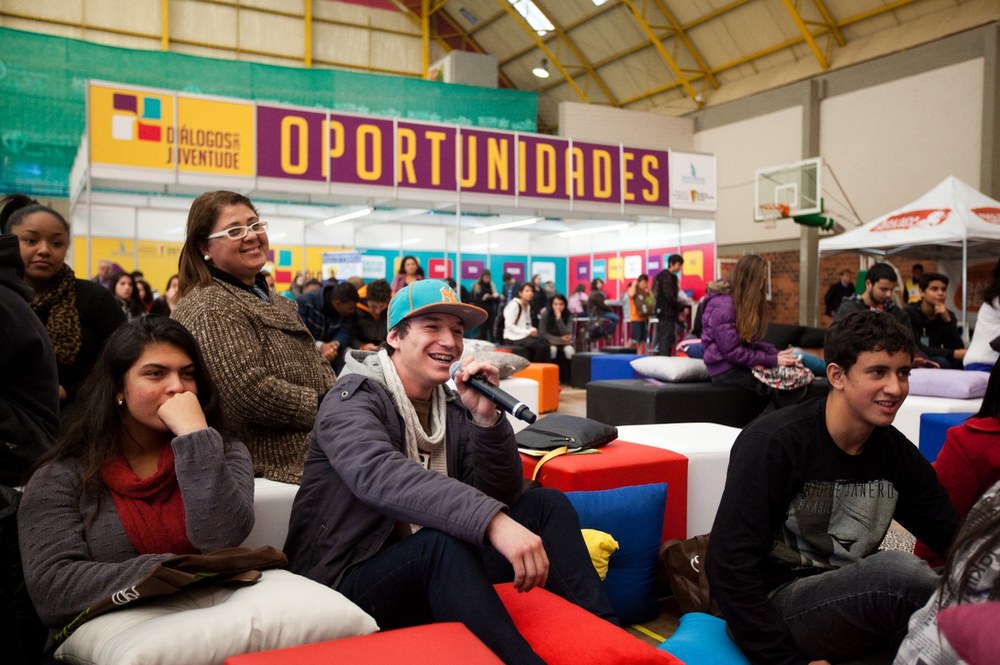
[[142, 472], [733, 323], [555, 324]]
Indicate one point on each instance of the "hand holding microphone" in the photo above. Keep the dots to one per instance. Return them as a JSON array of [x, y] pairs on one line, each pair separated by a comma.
[[502, 399]]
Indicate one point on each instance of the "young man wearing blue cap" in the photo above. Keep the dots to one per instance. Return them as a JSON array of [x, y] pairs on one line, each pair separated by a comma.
[[411, 503]]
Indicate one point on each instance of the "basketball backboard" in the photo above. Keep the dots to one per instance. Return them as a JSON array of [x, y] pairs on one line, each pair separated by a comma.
[[796, 186]]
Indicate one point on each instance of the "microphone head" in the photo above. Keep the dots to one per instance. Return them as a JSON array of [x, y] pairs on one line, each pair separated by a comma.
[[455, 366]]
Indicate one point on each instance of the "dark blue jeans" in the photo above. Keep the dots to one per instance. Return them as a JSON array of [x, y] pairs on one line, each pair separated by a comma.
[[858, 609], [431, 576]]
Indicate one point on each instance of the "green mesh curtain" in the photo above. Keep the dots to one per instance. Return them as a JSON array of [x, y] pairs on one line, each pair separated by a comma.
[[43, 80]]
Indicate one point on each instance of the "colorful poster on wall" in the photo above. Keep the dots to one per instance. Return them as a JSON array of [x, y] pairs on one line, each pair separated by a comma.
[[130, 127], [516, 269], [692, 181], [439, 268], [341, 265], [544, 269], [372, 266], [699, 262], [215, 137], [473, 269]]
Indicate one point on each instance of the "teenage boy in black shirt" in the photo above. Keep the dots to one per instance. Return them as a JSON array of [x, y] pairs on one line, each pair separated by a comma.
[[811, 490]]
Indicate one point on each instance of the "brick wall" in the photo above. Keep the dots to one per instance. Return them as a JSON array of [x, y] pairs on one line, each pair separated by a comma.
[[785, 269]]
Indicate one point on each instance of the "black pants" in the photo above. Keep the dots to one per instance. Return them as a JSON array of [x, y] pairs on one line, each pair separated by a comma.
[[432, 576]]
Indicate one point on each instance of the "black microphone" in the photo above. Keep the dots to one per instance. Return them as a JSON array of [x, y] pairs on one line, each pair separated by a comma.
[[504, 400]]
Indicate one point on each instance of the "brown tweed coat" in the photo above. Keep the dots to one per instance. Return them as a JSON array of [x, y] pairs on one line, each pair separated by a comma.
[[269, 373]]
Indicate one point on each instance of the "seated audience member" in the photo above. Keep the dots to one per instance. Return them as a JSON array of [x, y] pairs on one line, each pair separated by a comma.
[[126, 296], [969, 461], [984, 347], [912, 285], [78, 314], [517, 329], [270, 375], [934, 326], [811, 491], [329, 315], [412, 502], [842, 288], [540, 300], [165, 304], [577, 301], [371, 316], [139, 475], [29, 392], [599, 311], [733, 322], [880, 282], [144, 293], [971, 575], [556, 328]]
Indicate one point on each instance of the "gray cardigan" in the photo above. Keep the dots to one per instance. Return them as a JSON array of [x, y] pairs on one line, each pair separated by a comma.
[[75, 550]]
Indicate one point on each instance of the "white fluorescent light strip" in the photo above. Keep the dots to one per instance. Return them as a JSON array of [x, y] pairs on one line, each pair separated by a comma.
[[506, 225], [599, 229], [367, 210]]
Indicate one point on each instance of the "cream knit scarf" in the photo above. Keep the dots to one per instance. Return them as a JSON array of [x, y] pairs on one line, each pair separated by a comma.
[[417, 440]]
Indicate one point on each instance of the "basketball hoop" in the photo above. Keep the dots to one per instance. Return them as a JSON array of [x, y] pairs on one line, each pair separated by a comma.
[[770, 212]]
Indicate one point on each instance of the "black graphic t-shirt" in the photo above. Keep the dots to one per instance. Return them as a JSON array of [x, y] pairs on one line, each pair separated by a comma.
[[795, 504]]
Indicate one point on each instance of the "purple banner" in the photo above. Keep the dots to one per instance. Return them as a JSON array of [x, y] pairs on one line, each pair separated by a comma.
[[487, 162], [596, 174], [542, 172], [361, 150], [426, 156], [290, 143], [646, 177]]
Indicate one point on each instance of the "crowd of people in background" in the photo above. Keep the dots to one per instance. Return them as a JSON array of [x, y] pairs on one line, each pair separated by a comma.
[[169, 403]]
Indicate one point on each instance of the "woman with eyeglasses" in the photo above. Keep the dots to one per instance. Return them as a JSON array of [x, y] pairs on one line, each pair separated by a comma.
[[270, 376]]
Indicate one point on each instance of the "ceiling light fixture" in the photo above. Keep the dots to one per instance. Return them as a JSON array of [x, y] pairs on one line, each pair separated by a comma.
[[507, 225], [596, 229], [542, 70], [367, 210]]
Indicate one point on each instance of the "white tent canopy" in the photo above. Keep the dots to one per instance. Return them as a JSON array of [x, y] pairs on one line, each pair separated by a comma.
[[950, 220], [948, 215]]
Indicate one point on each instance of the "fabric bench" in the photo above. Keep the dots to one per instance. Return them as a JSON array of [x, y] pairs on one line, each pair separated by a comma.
[[648, 401]]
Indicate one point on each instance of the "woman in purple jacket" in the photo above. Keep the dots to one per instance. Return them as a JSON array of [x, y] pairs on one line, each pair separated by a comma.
[[734, 320]]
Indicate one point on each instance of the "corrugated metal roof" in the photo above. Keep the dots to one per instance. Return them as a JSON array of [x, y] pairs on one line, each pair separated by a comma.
[[675, 56]]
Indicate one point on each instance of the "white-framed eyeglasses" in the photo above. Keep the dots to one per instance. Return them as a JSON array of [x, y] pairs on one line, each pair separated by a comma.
[[240, 232]]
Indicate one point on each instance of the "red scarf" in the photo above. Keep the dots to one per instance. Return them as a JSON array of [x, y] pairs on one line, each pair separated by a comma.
[[151, 509]]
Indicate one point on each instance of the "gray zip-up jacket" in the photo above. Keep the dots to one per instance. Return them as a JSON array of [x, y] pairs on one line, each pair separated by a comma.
[[358, 482]]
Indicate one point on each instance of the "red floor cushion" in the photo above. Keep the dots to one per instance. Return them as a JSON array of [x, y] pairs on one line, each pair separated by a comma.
[[565, 634], [431, 644]]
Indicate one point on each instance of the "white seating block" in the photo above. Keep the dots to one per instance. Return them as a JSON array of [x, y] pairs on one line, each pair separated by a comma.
[[707, 446], [908, 417], [272, 505]]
